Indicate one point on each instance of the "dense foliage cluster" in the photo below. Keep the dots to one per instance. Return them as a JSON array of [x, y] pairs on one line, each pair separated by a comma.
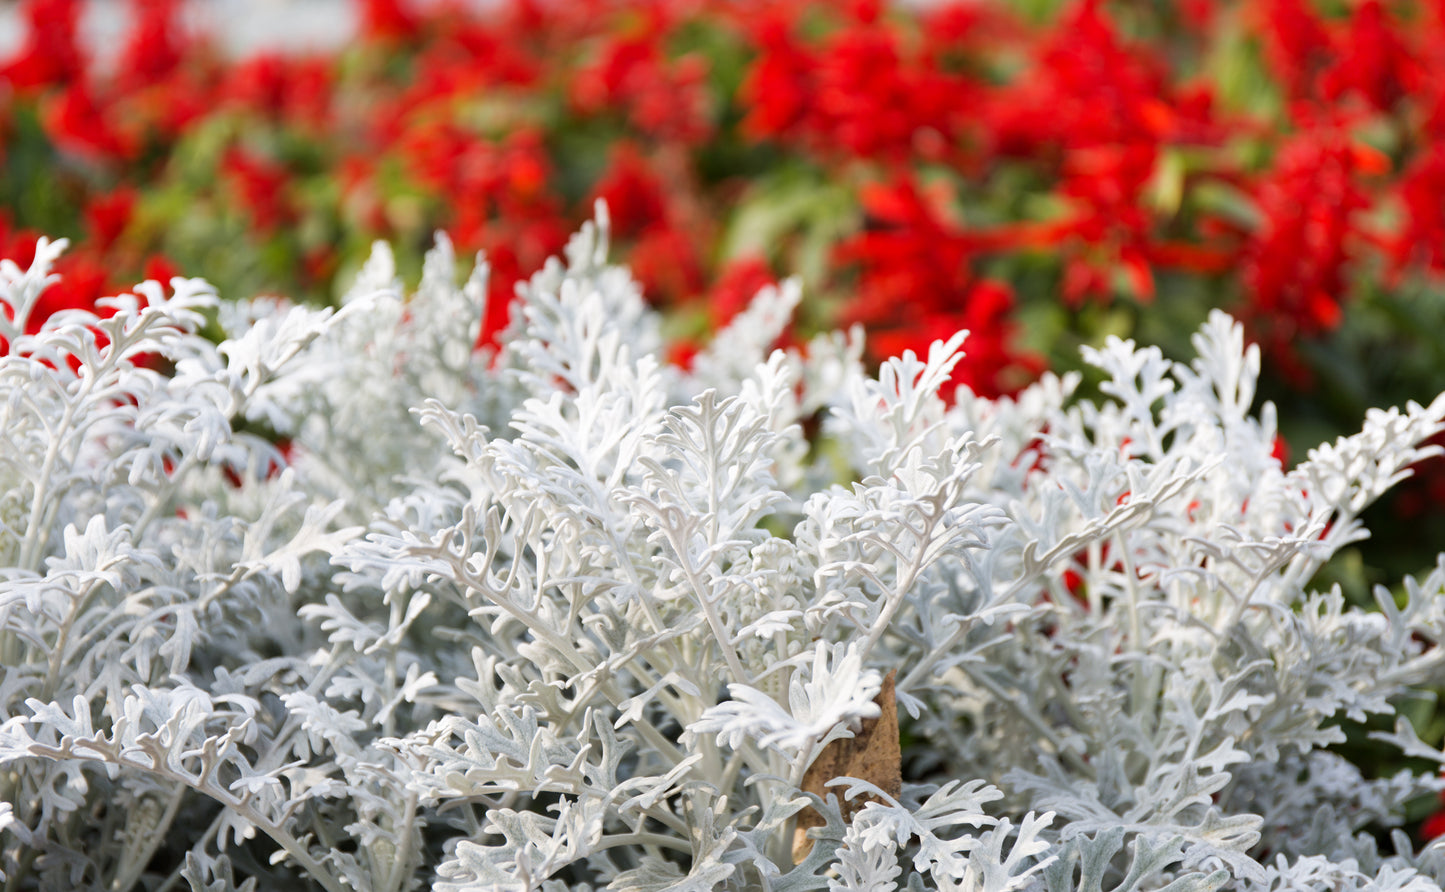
[[972, 161], [567, 615], [570, 579], [1044, 173]]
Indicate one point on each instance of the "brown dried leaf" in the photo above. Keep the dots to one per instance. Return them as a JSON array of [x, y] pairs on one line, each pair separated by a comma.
[[872, 755]]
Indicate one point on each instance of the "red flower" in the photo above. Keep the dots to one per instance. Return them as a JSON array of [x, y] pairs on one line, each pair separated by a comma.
[[1428, 91], [438, 154], [779, 86], [50, 55], [635, 195], [1421, 238], [155, 46], [1434, 826], [665, 99], [1294, 268], [481, 178], [469, 53], [682, 353], [17, 244], [164, 112], [735, 288], [513, 253], [860, 94], [883, 105], [1107, 186], [960, 33], [260, 185], [527, 170], [1280, 452], [1297, 45], [296, 91], [78, 124], [107, 217], [1374, 61], [388, 21], [1199, 14], [915, 285], [1086, 89], [666, 263], [160, 269], [515, 244], [907, 256]]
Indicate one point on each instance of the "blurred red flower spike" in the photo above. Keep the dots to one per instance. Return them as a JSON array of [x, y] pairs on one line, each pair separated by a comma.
[[387, 21], [50, 55], [107, 216]]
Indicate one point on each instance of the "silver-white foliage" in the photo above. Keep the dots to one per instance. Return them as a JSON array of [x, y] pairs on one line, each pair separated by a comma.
[[564, 616]]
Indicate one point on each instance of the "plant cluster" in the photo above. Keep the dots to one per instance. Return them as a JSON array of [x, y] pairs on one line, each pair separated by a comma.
[[969, 160], [564, 614], [953, 165]]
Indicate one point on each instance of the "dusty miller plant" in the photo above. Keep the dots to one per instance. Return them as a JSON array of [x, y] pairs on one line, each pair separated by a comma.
[[563, 616]]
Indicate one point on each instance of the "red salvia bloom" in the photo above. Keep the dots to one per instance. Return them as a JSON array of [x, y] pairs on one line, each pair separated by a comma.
[[1087, 89], [107, 216], [1434, 825], [907, 256], [478, 176], [1199, 14], [778, 88], [860, 94], [51, 54], [874, 103], [1110, 228], [526, 170], [388, 21], [318, 265], [1294, 269], [1297, 45], [1421, 239], [79, 124], [514, 252], [498, 204], [736, 286], [500, 49], [666, 263], [636, 197], [442, 156], [283, 89], [963, 32], [1280, 450], [155, 46], [163, 112], [661, 98], [17, 244], [261, 186], [160, 269], [682, 352], [1427, 91], [915, 286], [1375, 62]]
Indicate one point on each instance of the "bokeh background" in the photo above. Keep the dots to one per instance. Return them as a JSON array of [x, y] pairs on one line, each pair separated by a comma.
[[1045, 173]]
